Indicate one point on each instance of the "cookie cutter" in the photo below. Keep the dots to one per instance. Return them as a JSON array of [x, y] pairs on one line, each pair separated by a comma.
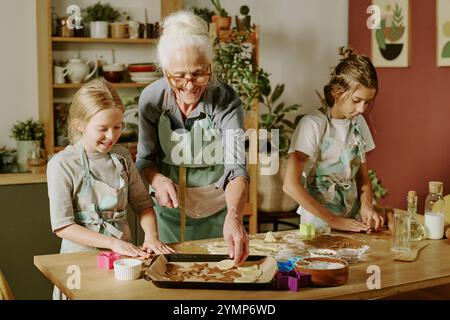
[[105, 260], [292, 280], [285, 265]]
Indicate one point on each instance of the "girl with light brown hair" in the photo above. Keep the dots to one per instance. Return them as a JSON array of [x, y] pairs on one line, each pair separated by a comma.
[[327, 170]]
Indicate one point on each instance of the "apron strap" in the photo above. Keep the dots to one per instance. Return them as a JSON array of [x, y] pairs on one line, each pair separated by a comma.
[[359, 140], [182, 199]]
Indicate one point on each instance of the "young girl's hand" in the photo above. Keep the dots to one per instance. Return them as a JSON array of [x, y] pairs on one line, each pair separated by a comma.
[[347, 224], [368, 214], [152, 244], [128, 249]]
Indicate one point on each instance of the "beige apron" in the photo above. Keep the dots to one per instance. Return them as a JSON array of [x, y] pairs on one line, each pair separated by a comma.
[[202, 204]]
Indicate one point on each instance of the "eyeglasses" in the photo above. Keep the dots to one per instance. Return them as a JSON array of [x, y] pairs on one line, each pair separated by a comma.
[[199, 78]]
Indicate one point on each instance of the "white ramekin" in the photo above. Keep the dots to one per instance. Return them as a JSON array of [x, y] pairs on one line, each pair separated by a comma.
[[127, 269]]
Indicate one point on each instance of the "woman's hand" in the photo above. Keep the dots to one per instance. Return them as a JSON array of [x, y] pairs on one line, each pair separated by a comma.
[[153, 245], [128, 249], [165, 191], [347, 224], [368, 214], [236, 239]]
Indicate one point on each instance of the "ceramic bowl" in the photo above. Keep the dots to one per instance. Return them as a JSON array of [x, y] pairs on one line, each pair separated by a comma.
[[113, 76], [127, 269], [142, 67], [113, 67], [144, 74], [325, 272], [150, 79]]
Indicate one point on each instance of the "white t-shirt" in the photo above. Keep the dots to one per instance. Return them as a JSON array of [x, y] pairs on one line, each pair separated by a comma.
[[307, 137]]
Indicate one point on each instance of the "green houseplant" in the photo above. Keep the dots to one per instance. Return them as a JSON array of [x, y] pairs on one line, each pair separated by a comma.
[[235, 65], [378, 190], [243, 19], [28, 135], [99, 15], [221, 18], [271, 197], [205, 13], [276, 117]]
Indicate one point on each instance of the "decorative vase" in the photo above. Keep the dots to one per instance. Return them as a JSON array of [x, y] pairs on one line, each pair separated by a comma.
[[243, 22], [99, 29], [24, 148]]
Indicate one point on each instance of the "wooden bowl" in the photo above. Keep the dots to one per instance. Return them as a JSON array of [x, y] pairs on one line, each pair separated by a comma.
[[321, 277]]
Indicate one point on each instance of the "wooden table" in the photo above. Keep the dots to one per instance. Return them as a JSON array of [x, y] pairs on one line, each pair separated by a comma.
[[432, 268]]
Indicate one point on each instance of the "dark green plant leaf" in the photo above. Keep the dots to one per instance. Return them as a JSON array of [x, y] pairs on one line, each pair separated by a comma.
[[279, 89]]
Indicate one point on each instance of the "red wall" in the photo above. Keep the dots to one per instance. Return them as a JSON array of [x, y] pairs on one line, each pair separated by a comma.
[[411, 116]]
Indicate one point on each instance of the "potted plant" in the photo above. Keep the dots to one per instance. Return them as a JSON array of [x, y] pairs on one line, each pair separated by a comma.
[[29, 135], [235, 65], [221, 18], [243, 20], [205, 13], [99, 16], [378, 190], [271, 197]]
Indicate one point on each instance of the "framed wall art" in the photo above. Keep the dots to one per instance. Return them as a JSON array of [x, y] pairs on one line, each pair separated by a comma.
[[443, 33], [391, 41]]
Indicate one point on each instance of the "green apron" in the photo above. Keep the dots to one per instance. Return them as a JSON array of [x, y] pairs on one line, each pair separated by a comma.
[[205, 204], [99, 207], [332, 178]]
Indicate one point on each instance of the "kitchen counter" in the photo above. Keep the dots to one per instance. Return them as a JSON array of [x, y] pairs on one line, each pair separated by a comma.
[[37, 175], [432, 268]]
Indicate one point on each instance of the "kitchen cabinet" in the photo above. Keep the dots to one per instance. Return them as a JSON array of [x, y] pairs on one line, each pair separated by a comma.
[[26, 232]]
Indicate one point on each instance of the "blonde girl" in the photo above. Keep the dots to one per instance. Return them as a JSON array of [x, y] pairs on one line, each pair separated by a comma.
[[91, 181]]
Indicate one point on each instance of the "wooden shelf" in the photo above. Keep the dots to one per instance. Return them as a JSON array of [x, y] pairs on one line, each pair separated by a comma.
[[107, 40], [115, 85]]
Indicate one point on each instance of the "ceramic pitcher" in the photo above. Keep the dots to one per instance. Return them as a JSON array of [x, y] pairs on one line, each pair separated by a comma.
[[78, 70]]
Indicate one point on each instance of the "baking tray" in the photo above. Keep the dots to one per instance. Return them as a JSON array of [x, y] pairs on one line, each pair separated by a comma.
[[199, 258]]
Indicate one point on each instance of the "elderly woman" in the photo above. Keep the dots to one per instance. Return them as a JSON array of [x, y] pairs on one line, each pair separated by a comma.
[[190, 133]]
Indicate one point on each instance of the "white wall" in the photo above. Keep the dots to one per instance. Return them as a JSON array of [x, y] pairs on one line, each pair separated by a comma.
[[18, 65], [298, 45]]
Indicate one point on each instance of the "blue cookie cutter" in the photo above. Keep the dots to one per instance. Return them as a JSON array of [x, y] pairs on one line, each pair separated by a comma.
[[290, 279]]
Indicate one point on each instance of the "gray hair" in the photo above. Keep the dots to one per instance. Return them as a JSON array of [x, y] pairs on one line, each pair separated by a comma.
[[183, 29]]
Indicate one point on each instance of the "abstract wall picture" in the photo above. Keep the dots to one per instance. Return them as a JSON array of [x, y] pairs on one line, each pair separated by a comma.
[[443, 32], [390, 42]]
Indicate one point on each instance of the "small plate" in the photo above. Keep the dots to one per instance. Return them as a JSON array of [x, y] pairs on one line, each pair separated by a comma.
[[349, 255], [321, 253], [149, 79]]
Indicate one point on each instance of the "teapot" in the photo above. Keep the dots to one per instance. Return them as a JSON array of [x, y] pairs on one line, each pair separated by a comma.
[[78, 71]]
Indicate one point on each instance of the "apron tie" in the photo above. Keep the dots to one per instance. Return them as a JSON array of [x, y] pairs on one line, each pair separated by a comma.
[[332, 187], [86, 218]]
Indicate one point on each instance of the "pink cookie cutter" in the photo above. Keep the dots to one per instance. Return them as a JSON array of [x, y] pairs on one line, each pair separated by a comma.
[[105, 260]]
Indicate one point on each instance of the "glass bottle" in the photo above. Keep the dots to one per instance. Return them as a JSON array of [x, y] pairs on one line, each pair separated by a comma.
[[434, 195], [417, 229], [434, 214]]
